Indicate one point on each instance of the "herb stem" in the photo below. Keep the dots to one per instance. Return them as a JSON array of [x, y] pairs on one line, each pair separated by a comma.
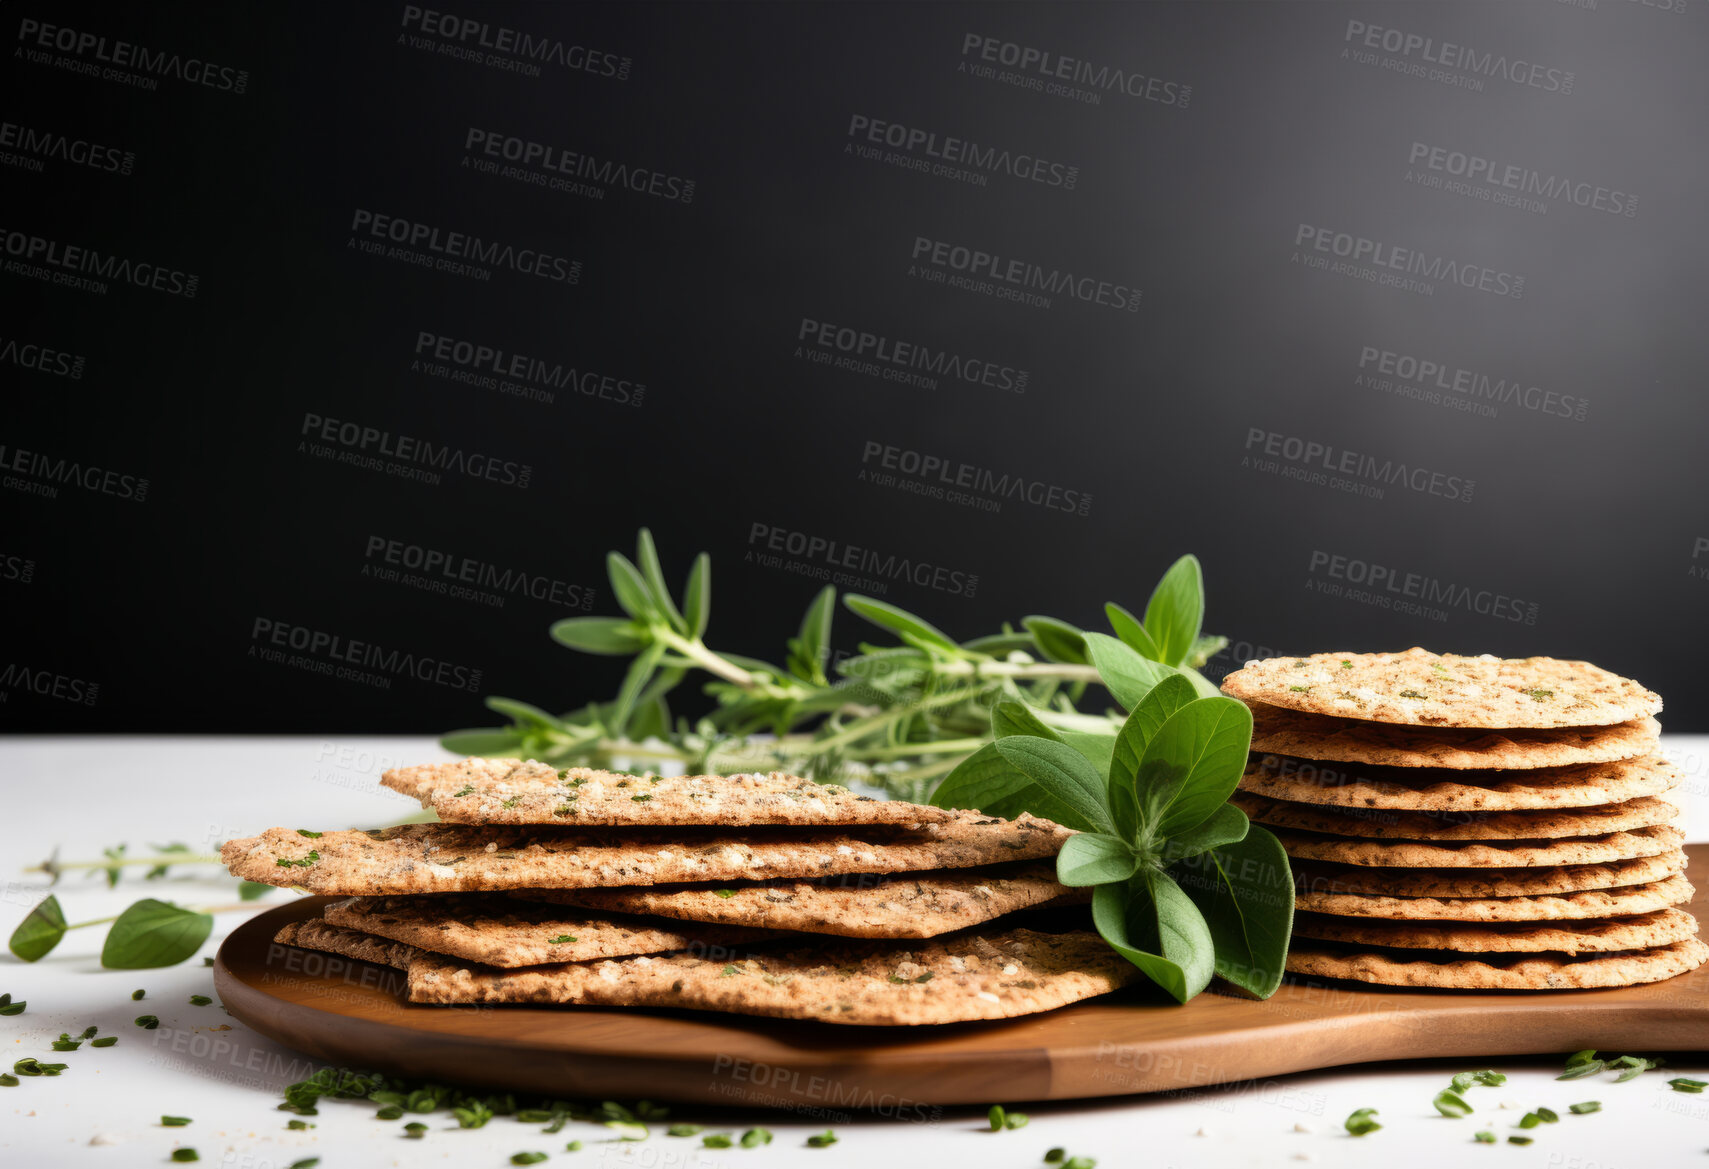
[[177, 858]]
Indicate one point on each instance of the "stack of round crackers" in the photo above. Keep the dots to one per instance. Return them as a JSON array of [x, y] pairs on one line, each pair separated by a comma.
[[750, 894], [1470, 822]]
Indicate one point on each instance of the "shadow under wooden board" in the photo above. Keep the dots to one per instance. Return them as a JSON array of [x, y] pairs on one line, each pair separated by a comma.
[[352, 1014]]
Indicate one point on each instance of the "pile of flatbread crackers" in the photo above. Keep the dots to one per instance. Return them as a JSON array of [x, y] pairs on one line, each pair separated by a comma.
[[1470, 822], [751, 894]]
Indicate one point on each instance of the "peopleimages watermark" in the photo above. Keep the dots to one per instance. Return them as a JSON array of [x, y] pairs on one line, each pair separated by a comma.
[[48, 684], [35, 473], [1511, 184], [123, 61], [938, 477], [480, 43], [460, 577], [1056, 75], [1411, 593], [1006, 278], [840, 563], [17, 569], [949, 156], [404, 456], [1699, 552], [1388, 264], [906, 362], [517, 375], [34, 148], [455, 252], [1416, 55], [1445, 384], [1325, 464], [560, 168], [41, 358], [352, 659], [88, 269]]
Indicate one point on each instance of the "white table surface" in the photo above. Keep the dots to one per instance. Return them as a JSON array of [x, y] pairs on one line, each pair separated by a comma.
[[86, 793]]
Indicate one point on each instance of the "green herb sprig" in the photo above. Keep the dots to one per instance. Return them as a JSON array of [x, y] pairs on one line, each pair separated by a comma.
[[900, 715]]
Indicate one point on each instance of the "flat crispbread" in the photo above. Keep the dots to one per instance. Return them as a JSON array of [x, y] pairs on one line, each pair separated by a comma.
[[1579, 850], [1588, 903], [501, 931], [1417, 789], [910, 905], [1661, 927], [955, 979], [1319, 877], [1386, 823], [456, 858], [1420, 688], [511, 791], [1317, 736], [1498, 972], [316, 934]]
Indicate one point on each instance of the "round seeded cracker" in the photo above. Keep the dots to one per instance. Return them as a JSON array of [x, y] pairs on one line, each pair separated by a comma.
[[1420, 688]]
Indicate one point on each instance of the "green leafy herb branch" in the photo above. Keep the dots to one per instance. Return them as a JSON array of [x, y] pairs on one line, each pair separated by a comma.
[[901, 715], [1183, 886]]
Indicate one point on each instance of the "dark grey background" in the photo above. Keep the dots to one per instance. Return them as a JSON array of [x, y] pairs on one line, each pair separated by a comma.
[[126, 615]]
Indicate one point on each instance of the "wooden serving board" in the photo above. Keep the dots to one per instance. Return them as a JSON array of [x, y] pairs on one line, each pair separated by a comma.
[[352, 1014]]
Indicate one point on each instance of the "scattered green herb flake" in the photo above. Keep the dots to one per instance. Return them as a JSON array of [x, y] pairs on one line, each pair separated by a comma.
[[1634, 1067], [1530, 1120], [473, 1114], [8, 1080], [185, 1154], [1579, 1071], [174, 1121], [1548, 1116], [104, 1041], [1450, 1103], [1362, 1122], [1461, 1082], [298, 1125], [562, 940], [996, 1115], [1681, 1084], [200, 1000], [641, 799], [1585, 1108], [527, 1158], [755, 1137], [1518, 1140], [310, 835], [512, 801], [468, 790], [136, 995], [1299, 689], [305, 1163], [1540, 695], [303, 863], [716, 1140], [823, 1140], [564, 810], [1485, 1138], [1412, 694], [390, 1112], [573, 1147], [207, 961], [1346, 665], [926, 977], [726, 893], [63, 1044], [1489, 1079], [1016, 1120], [683, 1130], [415, 1130], [1080, 1163], [11, 1008], [89, 1032], [1055, 1156], [627, 1130]]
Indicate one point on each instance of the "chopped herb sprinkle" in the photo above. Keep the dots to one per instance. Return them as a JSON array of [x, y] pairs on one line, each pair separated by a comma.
[[726, 893], [755, 1137], [1585, 1108], [684, 1130], [310, 835], [823, 1140], [174, 1121], [1681, 1084], [200, 1000], [185, 1154], [527, 1158], [468, 790], [716, 1140], [104, 1041], [136, 995], [1485, 1138], [1362, 1122]]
